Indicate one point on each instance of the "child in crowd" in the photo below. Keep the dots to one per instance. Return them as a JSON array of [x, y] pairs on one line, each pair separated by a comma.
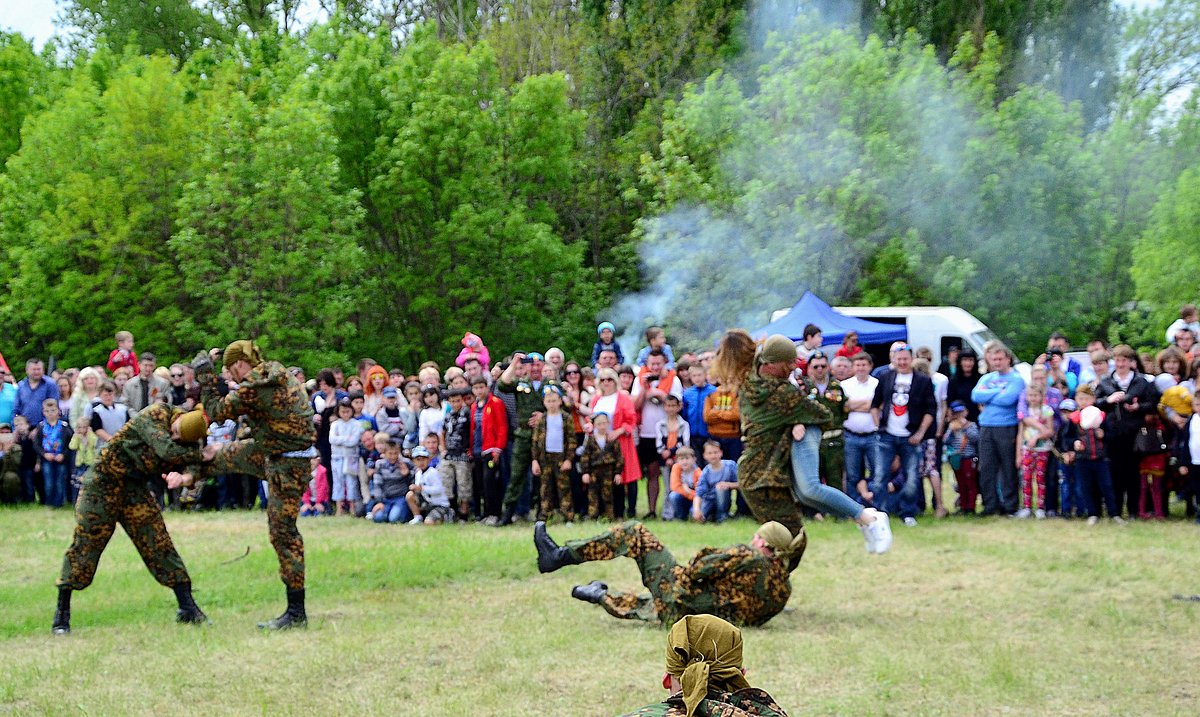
[[411, 405], [432, 415], [606, 342], [1070, 501], [1036, 436], [683, 499], [656, 338], [358, 403], [315, 500], [553, 446], [427, 497], [51, 440], [10, 463], [1090, 460], [368, 453], [393, 481], [1187, 449], [601, 464], [670, 434], [123, 356], [887, 502], [455, 466], [1152, 466], [718, 478], [344, 436], [432, 445], [962, 453], [390, 417], [26, 470], [472, 347], [83, 443], [220, 434]]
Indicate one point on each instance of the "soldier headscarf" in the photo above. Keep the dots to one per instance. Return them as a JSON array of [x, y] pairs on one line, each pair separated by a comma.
[[705, 651], [243, 349], [780, 539], [193, 426], [775, 349]]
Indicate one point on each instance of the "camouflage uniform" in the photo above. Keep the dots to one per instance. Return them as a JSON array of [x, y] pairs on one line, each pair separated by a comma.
[[833, 442], [554, 478], [743, 703], [115, 491], [10, 479], [604, 465], [769, 408], [739, 583], [528, 401], [279, 417]]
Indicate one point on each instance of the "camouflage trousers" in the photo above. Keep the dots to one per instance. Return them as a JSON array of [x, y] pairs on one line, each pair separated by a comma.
[[104, 501], [286, 480], [660, 572], [600, 492], [556, 483], [522, 457], [773, 503], [833, 461]]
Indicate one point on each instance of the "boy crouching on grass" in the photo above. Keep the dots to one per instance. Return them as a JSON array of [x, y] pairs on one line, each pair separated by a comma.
[[718, 480], [427, 499], [393, 481], [600, 465]]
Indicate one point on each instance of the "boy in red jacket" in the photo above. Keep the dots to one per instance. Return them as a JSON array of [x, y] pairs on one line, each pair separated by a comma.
[[123, 354], [489, 436]]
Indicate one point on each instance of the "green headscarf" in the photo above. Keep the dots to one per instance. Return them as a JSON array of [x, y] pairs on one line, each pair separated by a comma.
[[775, 349], [703, 651], [781, 541], [239, 350]]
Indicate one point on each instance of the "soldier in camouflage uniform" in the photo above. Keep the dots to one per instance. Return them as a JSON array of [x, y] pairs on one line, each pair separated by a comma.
[[10, 462], [827, 391], [279, 449], [770, 407], [156, 444], [602, 466], [526, 391], [549, 466], [705, 675], [745, 584]]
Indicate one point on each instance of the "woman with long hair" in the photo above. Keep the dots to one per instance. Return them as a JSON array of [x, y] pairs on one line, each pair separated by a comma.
[[377, 380]]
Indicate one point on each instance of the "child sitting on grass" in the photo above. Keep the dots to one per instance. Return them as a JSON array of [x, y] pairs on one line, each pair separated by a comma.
[[393, 480], [685, 477], [717, 481], [427, 497], [315, 500]]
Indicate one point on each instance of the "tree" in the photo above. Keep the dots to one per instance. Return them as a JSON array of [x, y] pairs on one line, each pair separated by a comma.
[[26, 84], [176, 27]]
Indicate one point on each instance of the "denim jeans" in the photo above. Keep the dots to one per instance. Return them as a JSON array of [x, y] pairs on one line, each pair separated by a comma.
[[55, 477], [806, 478], [395, 510], [887, 447], [681, 507], [716, 507], [860, 460], [1094, 477]]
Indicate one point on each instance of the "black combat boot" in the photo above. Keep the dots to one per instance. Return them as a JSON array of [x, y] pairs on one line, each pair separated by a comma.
[[593, 592], [292, 617], [507, 517], [551, 557], [62, 613], [189, 611]]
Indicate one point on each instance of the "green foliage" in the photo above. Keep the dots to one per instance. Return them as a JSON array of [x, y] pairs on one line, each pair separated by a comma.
[[175, 27], [1165, 258]]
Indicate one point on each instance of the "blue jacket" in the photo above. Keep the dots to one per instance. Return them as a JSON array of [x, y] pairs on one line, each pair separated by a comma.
[[667, 352], [8, 402], [707, 486], [29, 400], [998, 394], [601, 346], [693, 408]]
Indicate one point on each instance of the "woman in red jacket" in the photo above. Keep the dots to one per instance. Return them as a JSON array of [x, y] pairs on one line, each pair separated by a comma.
[[489, 436], [619, 406]]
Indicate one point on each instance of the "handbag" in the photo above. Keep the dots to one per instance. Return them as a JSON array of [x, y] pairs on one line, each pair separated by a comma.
[[1149, 441]]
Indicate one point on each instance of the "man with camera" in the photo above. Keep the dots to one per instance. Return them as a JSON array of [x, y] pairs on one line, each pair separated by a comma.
[[523, 379], [654, 383]]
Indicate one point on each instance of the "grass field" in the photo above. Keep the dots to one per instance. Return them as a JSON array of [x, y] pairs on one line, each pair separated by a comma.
[[961, 618]]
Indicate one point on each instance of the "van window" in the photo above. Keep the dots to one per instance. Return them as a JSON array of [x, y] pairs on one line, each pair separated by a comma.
[[948, 341]]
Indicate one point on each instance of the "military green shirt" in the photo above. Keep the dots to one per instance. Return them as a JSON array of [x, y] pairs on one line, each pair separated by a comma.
[[144, 450], [770, 407], [274, 403], [743, 703], [834, 399], [528, 400]]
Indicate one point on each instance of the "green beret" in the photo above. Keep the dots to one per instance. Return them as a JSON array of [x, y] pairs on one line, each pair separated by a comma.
[[775, 349]]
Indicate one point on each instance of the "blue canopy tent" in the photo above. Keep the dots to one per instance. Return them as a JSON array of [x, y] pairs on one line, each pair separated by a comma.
[[834, 325]]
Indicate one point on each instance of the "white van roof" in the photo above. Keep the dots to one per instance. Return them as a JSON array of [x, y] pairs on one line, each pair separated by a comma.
[[959, 316]]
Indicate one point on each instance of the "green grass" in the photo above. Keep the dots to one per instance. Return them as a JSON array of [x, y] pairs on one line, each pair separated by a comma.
[[961, 618]]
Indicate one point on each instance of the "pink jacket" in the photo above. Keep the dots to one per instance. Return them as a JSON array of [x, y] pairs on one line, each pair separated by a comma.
[[473, 346], [321, 482]]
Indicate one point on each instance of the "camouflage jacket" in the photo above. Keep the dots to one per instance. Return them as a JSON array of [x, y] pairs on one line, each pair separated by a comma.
[[274, 403], [606, 462], [738, 584], [143, 449], [11, 460], [769, 408], [528, 401], [834, 399], [539, 438], [743, 703]]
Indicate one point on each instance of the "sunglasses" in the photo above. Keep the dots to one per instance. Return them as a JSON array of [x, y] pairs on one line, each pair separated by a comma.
[[607, 379], [572, 371], [176, 375]]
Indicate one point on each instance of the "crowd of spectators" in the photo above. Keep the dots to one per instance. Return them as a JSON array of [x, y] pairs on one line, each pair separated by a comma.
[[1114, 438]]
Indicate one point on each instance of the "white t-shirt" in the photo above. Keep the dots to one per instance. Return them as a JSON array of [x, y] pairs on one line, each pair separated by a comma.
[[432, 488], [941, 388], [855, 390], [651, 413], [1194, 439], [897, 418], [606, 404], [429, 421]]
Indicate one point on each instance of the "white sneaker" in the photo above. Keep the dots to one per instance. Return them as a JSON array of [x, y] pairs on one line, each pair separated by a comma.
[[1118, 520], [1022, 514], [1039, 514], [881, 530], [1093, 520], [869, 537], [910, 522], [417, 520]]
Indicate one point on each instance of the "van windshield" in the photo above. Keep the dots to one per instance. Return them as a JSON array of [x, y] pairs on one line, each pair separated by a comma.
[[979, 339]]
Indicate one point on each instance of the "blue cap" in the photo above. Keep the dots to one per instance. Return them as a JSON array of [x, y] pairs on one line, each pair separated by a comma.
[[606, 325], [390, 392], [957, 406], [420, 452], [535, 356]]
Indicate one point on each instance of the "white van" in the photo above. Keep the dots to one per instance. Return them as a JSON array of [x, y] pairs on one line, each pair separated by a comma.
[[938, 327]]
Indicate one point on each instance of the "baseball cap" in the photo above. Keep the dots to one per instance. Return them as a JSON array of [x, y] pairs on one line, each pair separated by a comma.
[[5, 425], [420, 452], [535, 356], [390, 392], [957, 406], [1068, 405]]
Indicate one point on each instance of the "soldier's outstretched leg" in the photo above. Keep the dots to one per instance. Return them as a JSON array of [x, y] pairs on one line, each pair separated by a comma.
[[287, 478], [625, 606], [630, 539]]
